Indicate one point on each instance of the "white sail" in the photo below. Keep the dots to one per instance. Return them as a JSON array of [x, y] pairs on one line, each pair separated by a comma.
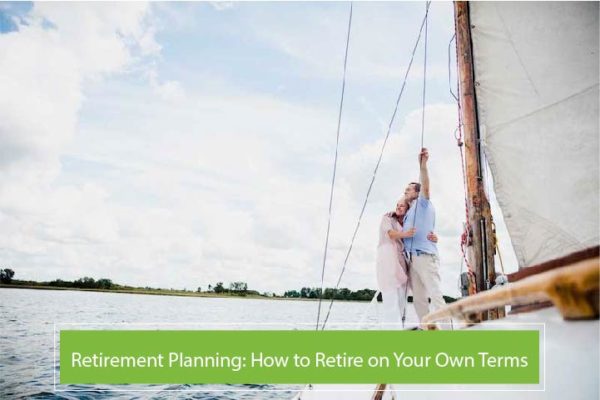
[[536, 74]]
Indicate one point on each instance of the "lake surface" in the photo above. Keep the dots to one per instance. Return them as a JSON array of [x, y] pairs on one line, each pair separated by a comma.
[[29, 317]]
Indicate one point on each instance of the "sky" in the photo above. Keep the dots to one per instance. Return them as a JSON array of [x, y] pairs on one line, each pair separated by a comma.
[[177, 145]]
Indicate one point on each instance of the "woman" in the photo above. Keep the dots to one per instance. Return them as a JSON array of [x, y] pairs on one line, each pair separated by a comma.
[[392, 271]]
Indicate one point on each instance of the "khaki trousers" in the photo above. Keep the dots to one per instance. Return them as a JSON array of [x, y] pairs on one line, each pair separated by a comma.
[[426, 283]]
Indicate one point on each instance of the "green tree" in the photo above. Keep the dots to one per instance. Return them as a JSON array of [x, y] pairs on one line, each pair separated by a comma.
[[85, 282], [363, 294], [6, 275], [104, 283], [344, 293], [219, 287], [238, 286]]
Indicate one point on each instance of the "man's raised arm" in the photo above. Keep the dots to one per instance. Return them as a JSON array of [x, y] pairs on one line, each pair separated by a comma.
[[423, 157]]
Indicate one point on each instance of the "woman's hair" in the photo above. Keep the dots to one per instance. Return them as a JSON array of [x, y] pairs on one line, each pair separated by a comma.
[[403, 199], [406, 203]]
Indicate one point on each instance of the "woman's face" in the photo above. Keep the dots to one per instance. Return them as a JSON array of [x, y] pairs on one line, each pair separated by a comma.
[[401, 208]]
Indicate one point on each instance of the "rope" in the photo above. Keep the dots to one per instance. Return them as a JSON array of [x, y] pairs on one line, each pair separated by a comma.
[[459, 142], [422, 117], [406, 294], [497, 246], [337, 141], [424, 81], [422, 143], [449, 69], [462, 263], [464, 238], [500, 257], [378, 161], [486, 172]]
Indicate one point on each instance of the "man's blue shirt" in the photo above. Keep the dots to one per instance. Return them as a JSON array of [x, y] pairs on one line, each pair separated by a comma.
[[424, 221]]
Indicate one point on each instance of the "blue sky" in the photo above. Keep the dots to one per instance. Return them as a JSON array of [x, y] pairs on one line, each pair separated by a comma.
[[181, 144]]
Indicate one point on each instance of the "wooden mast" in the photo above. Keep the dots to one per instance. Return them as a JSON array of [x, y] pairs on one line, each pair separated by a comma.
[[480, 246]]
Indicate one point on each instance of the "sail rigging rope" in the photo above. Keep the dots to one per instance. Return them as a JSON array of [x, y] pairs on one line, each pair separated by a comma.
[[337, 141], [423, 23], [424, 94], [424, 85], [449, 69], [458, 135], [497, 247]]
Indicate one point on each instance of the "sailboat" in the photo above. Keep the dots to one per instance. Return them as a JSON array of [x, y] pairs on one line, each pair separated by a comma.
[[528, 107]]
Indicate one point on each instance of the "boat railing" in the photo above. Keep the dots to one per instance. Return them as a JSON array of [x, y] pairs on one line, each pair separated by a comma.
[[573, 290]]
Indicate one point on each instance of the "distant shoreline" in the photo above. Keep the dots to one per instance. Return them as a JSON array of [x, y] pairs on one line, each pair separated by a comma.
[[168, 293]]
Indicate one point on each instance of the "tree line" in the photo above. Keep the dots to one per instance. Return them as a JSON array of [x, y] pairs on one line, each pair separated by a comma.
[[331, 293], [7, 274], [235, 288], [343, 294]]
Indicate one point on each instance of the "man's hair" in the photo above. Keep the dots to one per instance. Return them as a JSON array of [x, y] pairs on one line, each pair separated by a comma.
[[417, 186]]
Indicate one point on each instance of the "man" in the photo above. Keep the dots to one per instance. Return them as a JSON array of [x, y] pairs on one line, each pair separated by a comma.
[[424, 268]]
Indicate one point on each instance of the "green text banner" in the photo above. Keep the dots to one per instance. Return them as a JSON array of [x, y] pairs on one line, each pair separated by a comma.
[[269, 357]]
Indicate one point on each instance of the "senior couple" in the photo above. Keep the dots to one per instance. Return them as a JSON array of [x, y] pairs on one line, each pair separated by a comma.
[[407, 254]]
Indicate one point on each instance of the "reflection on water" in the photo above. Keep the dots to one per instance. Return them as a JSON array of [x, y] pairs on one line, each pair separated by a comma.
[[28, 318]]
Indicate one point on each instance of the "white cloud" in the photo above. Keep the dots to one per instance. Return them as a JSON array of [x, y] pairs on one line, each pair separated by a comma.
[[173, 187], [381, 39], [43, 70], [221, 5], [44, 66], [103, 38], [36, 70], [170, 90], [232, 191]]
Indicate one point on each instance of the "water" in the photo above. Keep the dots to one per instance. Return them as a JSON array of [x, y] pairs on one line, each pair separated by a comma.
[[28, 318]]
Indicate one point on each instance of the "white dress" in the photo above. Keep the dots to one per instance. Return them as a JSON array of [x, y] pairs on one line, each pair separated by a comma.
[[392, 275], [391, 265]]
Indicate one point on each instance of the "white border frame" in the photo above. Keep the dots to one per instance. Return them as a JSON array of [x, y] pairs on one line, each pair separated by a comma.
[[56, 362]]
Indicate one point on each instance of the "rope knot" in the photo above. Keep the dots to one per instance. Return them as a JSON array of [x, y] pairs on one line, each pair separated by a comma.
[[464, 238]]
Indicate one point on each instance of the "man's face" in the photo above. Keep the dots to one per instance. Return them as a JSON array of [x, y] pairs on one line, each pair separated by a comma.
[[410, 193]]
